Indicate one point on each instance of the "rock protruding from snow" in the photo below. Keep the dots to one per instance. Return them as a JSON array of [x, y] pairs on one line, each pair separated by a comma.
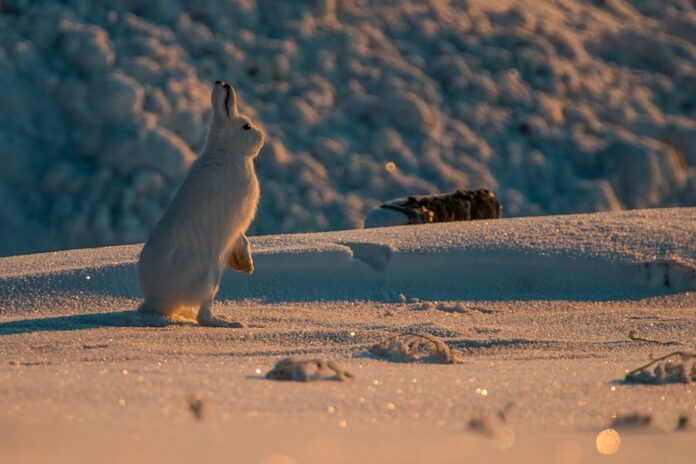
[[462, 205]]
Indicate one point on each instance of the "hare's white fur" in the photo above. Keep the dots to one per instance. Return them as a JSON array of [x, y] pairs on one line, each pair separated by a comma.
[[203, 228]]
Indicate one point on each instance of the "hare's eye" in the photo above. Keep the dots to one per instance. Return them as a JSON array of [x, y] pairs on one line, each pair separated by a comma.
[[246, 126]]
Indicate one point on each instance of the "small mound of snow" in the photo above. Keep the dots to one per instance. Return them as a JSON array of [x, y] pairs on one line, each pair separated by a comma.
[[632, 421], [676, 367], [305, 370], [412, 347]]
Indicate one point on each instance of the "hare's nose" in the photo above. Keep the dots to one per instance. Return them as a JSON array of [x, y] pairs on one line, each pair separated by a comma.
[[218, 82], [227, 86]]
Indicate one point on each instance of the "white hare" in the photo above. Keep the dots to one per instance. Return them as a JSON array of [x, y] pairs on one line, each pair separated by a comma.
[[203, 228]]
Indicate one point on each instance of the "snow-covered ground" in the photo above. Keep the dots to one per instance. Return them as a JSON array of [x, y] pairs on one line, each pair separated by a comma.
[[539, 310], [557, 106]]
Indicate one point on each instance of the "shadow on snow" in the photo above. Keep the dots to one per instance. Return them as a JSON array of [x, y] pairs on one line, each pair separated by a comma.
[[86, 321]]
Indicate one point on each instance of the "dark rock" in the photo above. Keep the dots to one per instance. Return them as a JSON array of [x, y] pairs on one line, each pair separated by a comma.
[[461, 205]]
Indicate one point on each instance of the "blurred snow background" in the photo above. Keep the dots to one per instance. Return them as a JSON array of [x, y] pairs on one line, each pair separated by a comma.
[[557, 106]]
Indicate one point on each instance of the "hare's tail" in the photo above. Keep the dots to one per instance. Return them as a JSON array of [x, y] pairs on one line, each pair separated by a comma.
[[164, 311], [150, 306], [153, 313]]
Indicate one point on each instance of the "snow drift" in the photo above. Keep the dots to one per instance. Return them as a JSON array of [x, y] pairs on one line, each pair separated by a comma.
[[597, 256]]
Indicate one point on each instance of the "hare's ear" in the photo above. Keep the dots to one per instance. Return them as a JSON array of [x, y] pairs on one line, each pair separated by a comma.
[[230, 100], [224, 100]]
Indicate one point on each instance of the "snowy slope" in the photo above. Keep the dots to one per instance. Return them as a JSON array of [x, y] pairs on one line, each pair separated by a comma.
[[558, 106], [603, 255]]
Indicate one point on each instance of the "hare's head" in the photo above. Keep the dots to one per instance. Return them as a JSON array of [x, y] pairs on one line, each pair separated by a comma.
[[229, 130]]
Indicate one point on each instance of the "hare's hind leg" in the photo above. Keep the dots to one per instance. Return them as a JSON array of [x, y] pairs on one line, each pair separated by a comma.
[[206, 317]]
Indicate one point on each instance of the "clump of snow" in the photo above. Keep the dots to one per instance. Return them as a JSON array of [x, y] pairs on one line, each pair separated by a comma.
[[632, 421], [450, 307], [676, 367], [575, 107], [685, 423], [197, 406], [305, 370], [643, 422], [494, 427], [412, 347]]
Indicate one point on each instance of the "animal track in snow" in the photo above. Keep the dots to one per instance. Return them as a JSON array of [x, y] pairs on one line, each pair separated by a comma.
[[374, 255], [671, 274]]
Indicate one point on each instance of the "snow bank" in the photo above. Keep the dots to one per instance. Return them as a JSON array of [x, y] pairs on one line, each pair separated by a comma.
[[571, 107], [598, 256]]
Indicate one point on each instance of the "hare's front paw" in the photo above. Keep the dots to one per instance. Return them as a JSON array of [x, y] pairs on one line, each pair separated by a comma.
[[247, 266], [240, 262]]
